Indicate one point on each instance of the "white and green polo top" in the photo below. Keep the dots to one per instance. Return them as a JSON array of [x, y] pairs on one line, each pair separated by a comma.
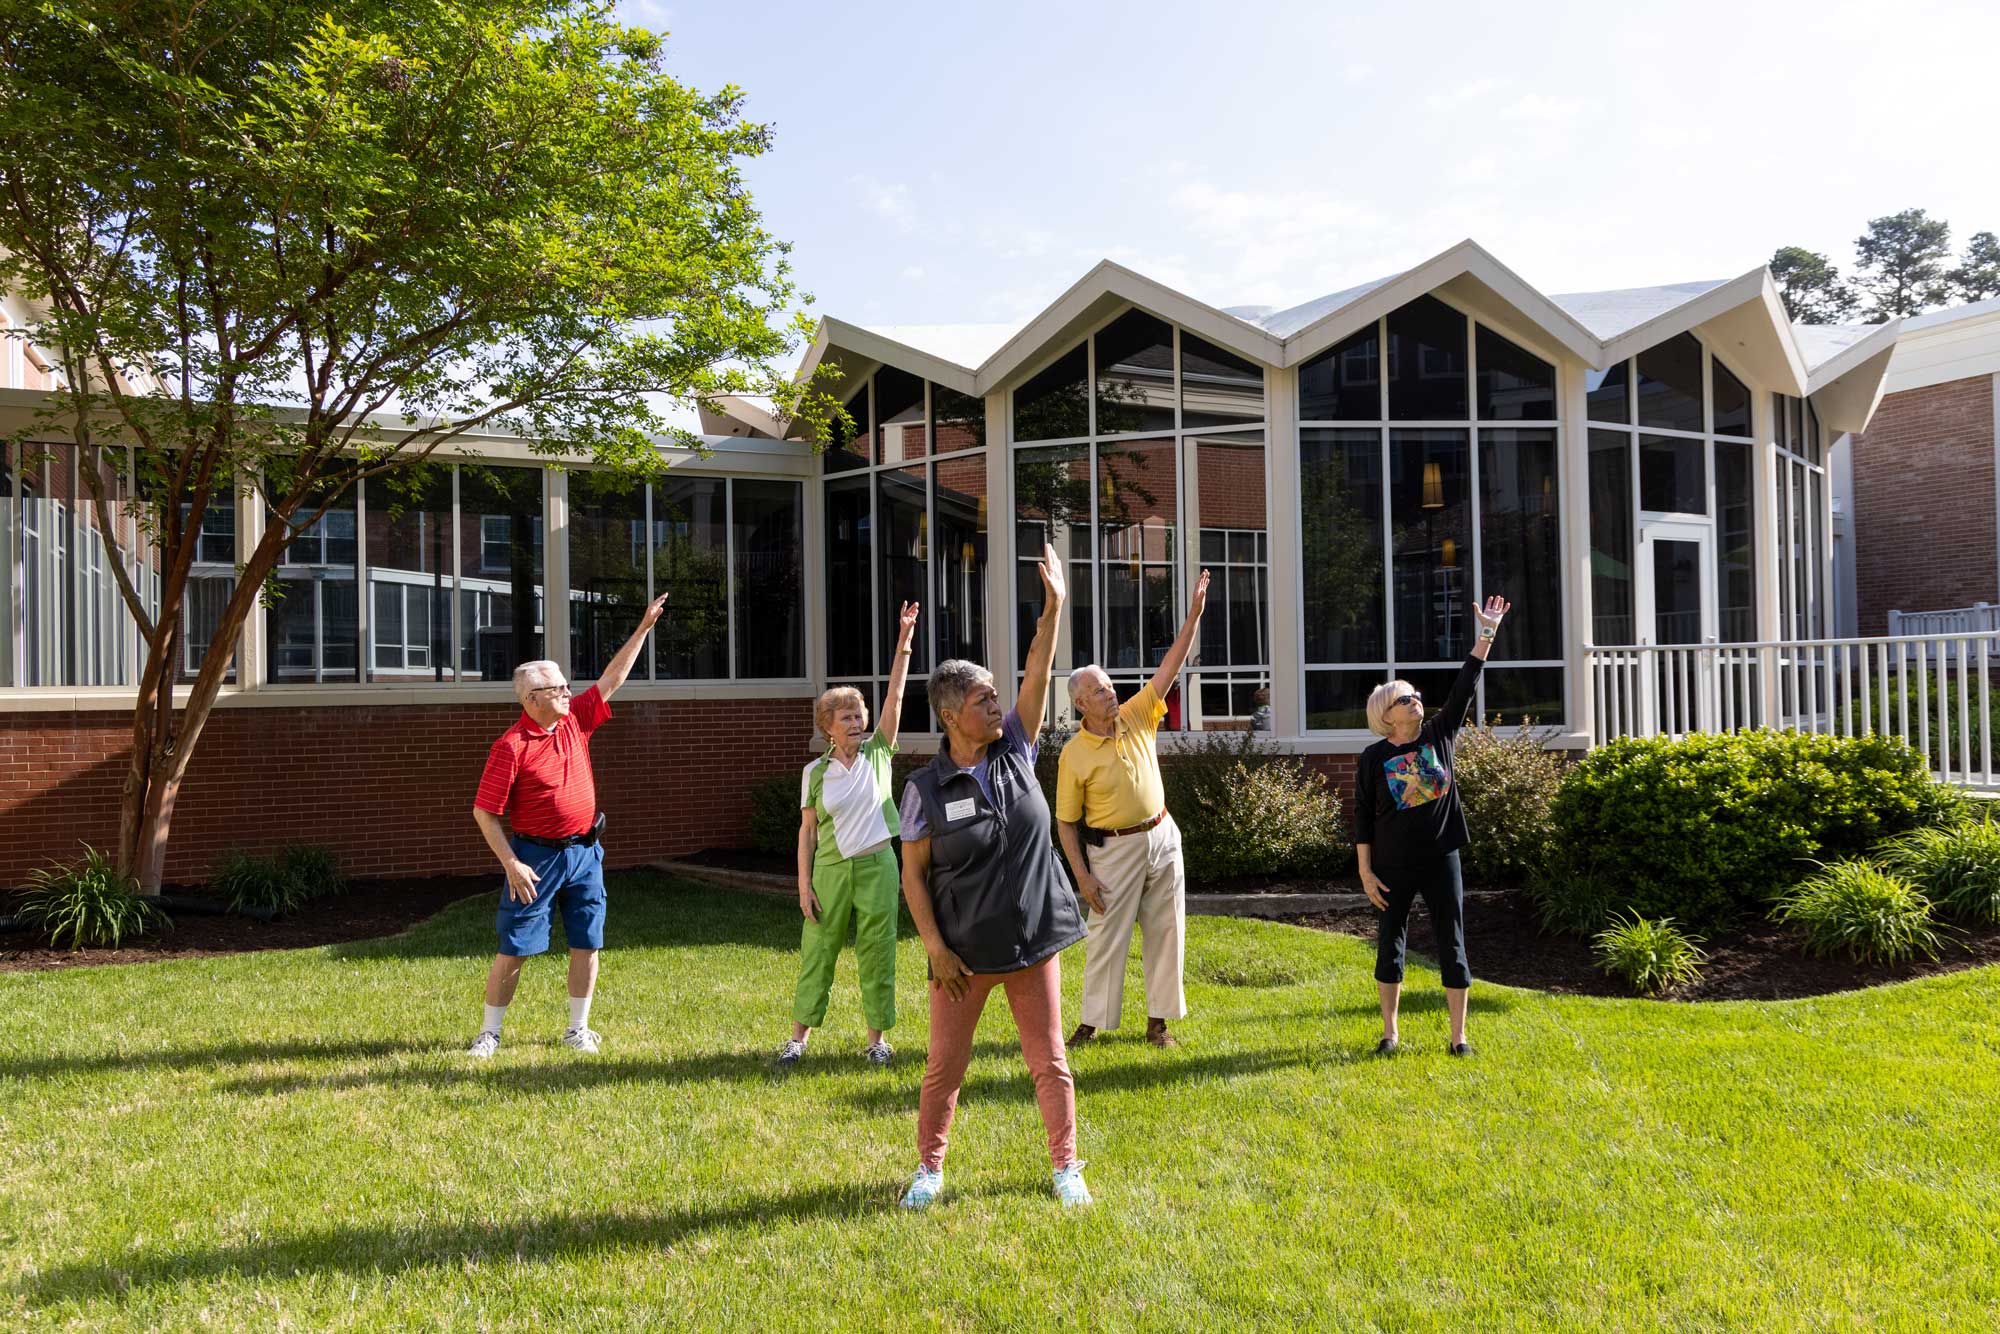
[[857, 808]]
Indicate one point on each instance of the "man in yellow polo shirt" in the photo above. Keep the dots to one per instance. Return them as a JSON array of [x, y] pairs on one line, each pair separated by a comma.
[[1109, 778]]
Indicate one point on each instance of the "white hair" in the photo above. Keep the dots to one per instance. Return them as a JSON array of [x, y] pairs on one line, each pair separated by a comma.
[[1077, 678], [525, 674], [952, 680]]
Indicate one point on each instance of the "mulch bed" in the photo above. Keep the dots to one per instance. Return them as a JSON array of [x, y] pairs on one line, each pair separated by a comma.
[[744, 859], [369, 908], [1761, 961]]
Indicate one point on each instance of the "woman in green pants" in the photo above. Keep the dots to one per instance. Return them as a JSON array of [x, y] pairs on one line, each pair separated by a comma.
[[847, 815]]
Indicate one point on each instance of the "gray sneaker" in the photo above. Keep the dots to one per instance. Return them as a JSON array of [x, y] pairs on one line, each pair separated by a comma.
[[583, 1040], [789, 1054], [484, 1045], [879, 1052]]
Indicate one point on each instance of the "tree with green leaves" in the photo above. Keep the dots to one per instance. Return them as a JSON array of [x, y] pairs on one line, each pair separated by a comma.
[[1810, 286], [1977, 278], [1900, 263], [282, 246]]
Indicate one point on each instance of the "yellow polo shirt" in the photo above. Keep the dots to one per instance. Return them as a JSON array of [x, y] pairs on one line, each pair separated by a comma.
[[1113, 782]]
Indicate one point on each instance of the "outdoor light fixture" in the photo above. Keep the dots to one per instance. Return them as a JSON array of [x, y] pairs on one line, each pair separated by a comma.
[[1433, 487], [1450, 554]]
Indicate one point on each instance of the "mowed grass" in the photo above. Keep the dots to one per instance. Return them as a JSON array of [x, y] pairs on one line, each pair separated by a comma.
[[293, 1140]]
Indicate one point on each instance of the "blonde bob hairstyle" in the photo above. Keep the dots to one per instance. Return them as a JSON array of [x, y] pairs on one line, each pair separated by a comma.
[[833, 701], [1380, 700]]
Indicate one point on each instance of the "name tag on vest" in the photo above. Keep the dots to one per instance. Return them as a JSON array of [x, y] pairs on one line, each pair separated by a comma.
[[960, 810]]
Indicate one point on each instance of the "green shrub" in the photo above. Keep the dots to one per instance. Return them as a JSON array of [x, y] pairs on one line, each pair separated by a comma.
[[1570, 900], [1856, 908], [774, 814], [88, 903], [1956, 868], [1710, 825], [1278, 818], [1506, 783], [277, 884], [1947, 806], [1649, 956]]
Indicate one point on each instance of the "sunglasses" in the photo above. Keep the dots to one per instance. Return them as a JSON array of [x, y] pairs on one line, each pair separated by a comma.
[[560, 690], [1412, 698]]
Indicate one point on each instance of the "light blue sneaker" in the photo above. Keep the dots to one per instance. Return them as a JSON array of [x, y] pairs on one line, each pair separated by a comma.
[[924, 1189], [1069, 1186]]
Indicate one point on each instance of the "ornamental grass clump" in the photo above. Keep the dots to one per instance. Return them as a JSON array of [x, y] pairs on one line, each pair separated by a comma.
[[278, 884], [88, 903], [1652, 956], [1570, 900], [1858, 909], [1957, 868]]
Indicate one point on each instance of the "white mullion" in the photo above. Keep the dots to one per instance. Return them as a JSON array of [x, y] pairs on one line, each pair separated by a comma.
[[729, 562], [1473, 442], [646, 553], [364, 596], [456, 619]]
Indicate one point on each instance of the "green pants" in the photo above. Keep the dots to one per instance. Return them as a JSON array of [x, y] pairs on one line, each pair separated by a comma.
[[866, 889]]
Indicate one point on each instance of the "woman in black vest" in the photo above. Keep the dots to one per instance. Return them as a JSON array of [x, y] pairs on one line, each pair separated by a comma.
[[989, 898], [1408, 828]]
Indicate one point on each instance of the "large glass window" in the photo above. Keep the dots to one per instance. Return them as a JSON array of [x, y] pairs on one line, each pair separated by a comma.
[[1232, 521], [1611, 521], [1426, 341], [905, 562], [1405, 528], [1052, 502], [1344, 383], [1672, 474], [77, 629], [1135, 375], [847, 445], [1669, 382], [412, 571], [502, 600], [1804, 607], [313, 622], [1218, 388], [960, 420], [1137, 502], [958, 491], [1735, 552], [767, 530], [607, 568], [1055, 403], [850, 603], [1609, 393], [899, 416], [690, 559]]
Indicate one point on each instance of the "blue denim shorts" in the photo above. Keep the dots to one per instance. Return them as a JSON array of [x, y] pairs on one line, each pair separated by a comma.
[[571, 878]]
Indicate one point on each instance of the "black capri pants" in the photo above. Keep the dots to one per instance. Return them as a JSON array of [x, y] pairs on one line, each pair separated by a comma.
[[1443, 889]]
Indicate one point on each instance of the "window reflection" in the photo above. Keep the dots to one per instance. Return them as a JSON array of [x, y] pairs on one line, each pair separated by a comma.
[[1055, 404], [1514, 384], [1218, 388], [1430, 514], [1135, 375], [690, 555], [1344, 383], [1427, 362], [1340, 487], [1669, 383], [1520, 540], [958, 608], [1136, 507], [411, 574]]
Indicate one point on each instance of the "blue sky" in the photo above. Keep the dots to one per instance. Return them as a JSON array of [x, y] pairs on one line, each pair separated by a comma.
[[951, 163]]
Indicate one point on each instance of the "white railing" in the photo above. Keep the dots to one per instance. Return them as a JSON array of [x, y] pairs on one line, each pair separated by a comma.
[[1912, 686], [1981, 618]]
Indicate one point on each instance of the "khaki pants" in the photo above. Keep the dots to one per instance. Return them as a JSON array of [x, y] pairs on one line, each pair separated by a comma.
[[1143, 884]]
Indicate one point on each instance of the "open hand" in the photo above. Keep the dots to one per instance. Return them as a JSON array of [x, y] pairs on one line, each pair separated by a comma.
[[1051, 569], [1200, 598], [1495, 608], [908, 622]]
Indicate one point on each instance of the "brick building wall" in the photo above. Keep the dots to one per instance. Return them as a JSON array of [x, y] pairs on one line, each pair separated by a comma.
[[1924, 522], [388, 789]]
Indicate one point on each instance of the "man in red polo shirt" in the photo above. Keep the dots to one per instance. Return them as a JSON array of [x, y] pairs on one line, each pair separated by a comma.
[[538, 776]]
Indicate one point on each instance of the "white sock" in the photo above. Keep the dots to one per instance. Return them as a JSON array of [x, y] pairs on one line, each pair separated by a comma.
[[579, 1012], [495, 1014]]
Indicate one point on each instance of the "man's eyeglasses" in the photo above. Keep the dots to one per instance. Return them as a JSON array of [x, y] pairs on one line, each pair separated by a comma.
[[1412, 698], [557, 690]]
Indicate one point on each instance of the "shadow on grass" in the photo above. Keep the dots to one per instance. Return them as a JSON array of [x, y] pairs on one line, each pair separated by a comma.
[[1148, 1071], [562, 1076], [183, 1058], [644, 910], [374, 1251]]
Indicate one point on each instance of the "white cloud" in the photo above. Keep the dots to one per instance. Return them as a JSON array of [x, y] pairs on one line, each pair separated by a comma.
[[1546, 109], [889, 201], [912, 272], [1472, 90]]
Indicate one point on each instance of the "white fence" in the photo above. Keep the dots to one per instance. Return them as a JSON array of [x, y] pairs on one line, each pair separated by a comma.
[[1981, 618], [1912, 686]]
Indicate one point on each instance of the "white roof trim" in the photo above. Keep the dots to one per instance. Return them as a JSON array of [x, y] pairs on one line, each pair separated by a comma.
[[1853, 355]]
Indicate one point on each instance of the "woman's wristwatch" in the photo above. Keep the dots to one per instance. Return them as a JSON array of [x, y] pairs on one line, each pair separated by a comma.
[[1488, 631]]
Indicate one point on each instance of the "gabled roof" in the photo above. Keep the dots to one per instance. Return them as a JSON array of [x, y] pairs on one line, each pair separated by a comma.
[[1743, 315]]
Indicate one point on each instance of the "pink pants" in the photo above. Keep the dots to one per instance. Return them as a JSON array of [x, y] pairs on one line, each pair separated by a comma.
[[1035, 997]]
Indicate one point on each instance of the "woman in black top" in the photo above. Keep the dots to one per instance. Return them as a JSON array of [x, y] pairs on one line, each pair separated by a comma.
[[1408, 828]]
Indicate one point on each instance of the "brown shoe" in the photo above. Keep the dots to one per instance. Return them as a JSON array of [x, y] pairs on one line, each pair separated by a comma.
[[1083, 1034], [1157, 1035]]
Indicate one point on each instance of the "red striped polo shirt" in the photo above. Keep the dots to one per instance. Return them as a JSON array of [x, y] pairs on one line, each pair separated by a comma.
[[541, 780]]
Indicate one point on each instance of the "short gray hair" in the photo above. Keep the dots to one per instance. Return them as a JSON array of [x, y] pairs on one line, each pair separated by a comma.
[[953, 680], [1076, 678], [525, 674]]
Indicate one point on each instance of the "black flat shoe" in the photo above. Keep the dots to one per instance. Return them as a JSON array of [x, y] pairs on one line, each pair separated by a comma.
[[1388, 1047], [1460, 1049]]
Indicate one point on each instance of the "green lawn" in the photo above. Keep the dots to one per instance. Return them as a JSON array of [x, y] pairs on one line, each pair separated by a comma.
[[293, 1140]]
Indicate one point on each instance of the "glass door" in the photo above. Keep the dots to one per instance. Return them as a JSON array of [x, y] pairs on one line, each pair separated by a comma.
[[1676, 612]]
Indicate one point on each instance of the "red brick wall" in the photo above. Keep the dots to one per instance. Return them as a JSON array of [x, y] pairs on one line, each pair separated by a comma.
[[388, 789], [1924, 526]]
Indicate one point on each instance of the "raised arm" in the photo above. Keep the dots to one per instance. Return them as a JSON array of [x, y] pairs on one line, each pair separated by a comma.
[[892, 701], [1452, 716], [1177, 652], [621, 662], [1042, 652]]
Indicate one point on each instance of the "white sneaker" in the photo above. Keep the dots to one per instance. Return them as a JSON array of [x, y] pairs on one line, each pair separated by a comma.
[[789, 1054], [582, 1039], [879, 1052], [1069, 1186], [484, 1045], [924, 1189]]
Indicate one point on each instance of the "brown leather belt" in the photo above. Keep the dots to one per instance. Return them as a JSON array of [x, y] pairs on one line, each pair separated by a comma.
[[1139, 828]]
